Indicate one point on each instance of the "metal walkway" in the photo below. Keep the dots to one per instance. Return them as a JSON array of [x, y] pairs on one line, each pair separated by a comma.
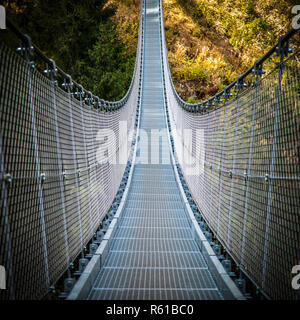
[[80, 190], [154, 255]]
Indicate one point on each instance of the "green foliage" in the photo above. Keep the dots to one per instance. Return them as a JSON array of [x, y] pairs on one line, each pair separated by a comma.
[[192, 99], [110, 68], [211, 42], [81, 37]]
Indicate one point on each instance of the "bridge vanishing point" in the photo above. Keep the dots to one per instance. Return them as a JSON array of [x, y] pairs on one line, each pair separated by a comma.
[[149, 197]]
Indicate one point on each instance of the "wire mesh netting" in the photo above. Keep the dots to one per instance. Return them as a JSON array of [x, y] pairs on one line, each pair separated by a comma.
[[249, 189], [55, 190], [61, 185]]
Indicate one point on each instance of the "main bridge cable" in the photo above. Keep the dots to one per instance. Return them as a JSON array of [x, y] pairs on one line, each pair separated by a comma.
[[107, 106], [212, 103]]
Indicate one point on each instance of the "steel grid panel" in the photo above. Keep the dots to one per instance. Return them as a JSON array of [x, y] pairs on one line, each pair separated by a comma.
[[255, 216], [259, 214], [45, 130], [259, 227], [45, 127], [22, 197]]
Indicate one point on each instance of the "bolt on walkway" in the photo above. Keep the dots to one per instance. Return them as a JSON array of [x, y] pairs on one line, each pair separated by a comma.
[[153, 253]]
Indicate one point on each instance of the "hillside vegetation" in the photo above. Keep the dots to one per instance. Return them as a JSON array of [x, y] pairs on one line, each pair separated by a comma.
[[92, 40], [210, 42]]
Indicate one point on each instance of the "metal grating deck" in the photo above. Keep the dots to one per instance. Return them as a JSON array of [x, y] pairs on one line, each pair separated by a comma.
[[153, 255]]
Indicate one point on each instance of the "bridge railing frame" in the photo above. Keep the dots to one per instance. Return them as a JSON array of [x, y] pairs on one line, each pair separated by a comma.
[[220, 106], [104, 184]]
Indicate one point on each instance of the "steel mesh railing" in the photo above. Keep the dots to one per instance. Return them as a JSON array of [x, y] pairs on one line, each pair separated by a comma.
[[248, 191], [56, 186], [55, 191]]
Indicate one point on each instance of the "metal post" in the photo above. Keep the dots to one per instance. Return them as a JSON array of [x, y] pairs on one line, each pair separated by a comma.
[[52, 73], [205, 175], [69, 85], [5, 180], [28, 52], [95, 165], [214, 153], [86, 161], [281, 50], [257, 71], [226, 93], [10, 276], [240, 86]]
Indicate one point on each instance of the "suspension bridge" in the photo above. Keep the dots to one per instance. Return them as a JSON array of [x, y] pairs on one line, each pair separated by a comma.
[[149, 197]]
